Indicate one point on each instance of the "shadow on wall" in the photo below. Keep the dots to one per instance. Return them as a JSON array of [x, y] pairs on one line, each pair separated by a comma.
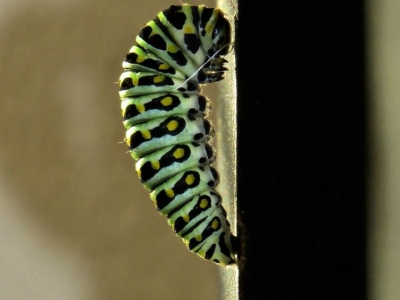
[[75, 223]]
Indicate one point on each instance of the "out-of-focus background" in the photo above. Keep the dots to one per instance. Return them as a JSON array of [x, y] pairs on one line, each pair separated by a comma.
[[75, 222], [383, 231]]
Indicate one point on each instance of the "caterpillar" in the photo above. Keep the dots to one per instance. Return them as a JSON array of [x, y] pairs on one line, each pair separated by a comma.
[[167, 130]]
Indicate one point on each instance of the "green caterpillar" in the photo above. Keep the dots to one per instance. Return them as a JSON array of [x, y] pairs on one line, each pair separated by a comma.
[[166, 127]]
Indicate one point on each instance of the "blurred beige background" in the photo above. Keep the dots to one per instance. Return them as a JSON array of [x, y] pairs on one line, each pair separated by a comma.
[[383, 41], [75, 223]]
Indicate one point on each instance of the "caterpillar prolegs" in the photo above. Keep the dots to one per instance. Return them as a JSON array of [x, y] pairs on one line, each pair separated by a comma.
[[166, 126]]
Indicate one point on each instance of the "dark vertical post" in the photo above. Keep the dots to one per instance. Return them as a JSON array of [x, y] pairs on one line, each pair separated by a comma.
[[301, 150]]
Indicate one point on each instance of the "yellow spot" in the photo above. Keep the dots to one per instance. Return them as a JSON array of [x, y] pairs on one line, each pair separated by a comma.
[[161, 16], [155, 165], [135, 79], [186, 218], [167, 101], [178, 153], [172, 125], [123, 112], [140, 108], [139, 172], [146, 134], [170, 193], [140, 59], [163, 67], [209, 27], [203, 203], [199, 238], [188, 29], [158, 79], [215, 224], [172, 48], [189, 179]]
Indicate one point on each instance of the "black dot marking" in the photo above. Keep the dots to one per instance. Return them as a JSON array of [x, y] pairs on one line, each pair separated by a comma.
[[154, 40], [126, 84], [198, 136], [210, 252], [178, 57], [216, 177], [202, 103], [175, 16], [207, 126], [192, 42]]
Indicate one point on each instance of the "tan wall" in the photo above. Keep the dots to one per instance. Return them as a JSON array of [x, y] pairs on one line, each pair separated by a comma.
[[383, 25], [75, 223]]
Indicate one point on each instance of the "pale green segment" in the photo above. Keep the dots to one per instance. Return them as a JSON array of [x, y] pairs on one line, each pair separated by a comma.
[[142, 56], [213, 210], [192, 128], [196, 153], [186, 103], [153, 88], [189, 206], [207, 41], [188, 69], [179, 35], [179, 199], [197, 231], [213, 239]]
